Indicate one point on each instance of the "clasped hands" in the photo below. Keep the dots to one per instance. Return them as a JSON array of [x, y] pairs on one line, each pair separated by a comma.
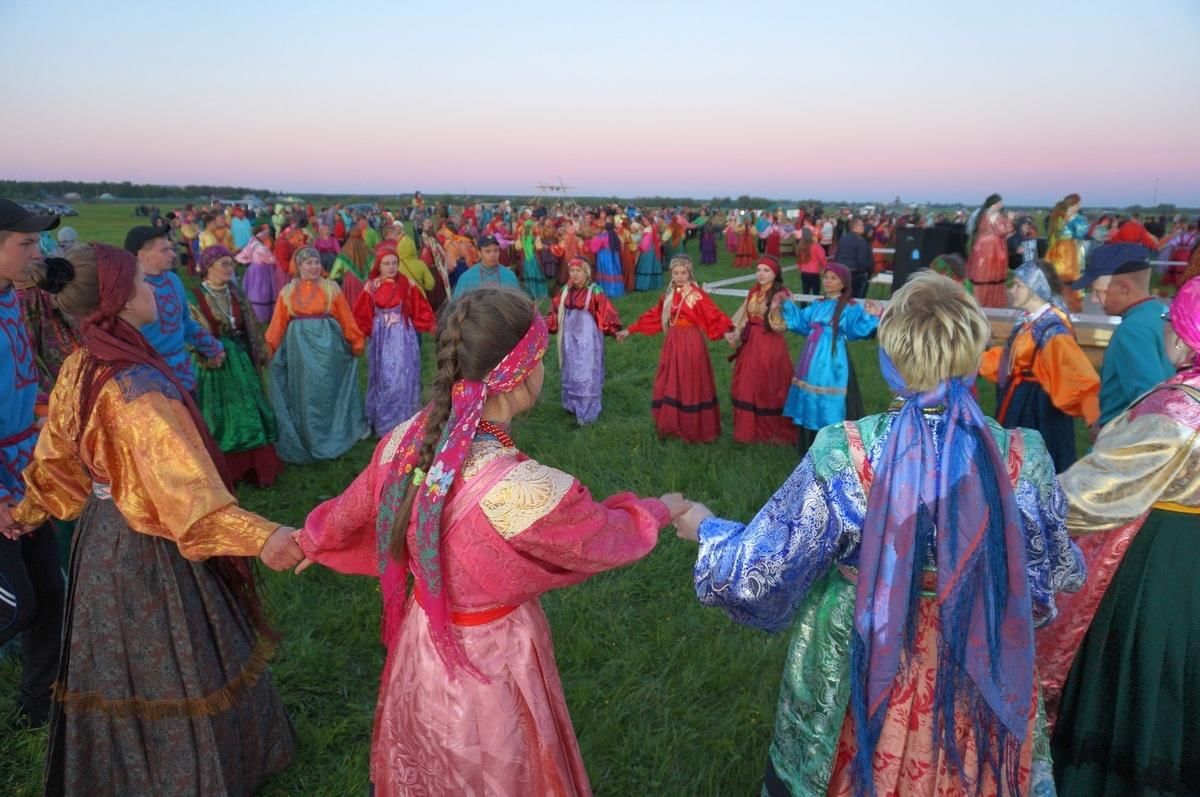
[[9, 527], [686, 515]]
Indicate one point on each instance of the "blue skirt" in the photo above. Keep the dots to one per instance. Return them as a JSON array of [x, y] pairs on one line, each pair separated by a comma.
[[314, 392], [1031, 408]]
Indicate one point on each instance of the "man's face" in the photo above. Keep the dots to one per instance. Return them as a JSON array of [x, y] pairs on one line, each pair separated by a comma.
[[1100, 292], [156, 255], [490, 254], [18, 252]]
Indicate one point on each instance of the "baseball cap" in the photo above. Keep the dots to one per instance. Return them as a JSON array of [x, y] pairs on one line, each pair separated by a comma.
[[487, 240], [14, 218], [139, 236], [1111, 259]]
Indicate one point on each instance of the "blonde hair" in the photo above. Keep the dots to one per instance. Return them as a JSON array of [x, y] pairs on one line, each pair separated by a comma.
[[933, 330]]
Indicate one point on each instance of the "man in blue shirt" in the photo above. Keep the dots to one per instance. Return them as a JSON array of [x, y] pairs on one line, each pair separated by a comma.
[[488, 272], [175, 328], [31, 585], [1136, 358]]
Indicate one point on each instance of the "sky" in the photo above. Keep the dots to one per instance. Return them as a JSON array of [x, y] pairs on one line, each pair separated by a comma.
[[932, 101]]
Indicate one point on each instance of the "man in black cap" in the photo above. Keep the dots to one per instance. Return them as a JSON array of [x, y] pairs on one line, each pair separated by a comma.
[[1136, 358], [175, 328], [31, 585]]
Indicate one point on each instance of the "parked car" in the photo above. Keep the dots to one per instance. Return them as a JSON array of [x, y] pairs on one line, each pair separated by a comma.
[[62, 210]]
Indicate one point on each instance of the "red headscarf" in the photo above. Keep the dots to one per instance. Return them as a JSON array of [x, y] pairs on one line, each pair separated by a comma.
[[112, 344], [381, 251]]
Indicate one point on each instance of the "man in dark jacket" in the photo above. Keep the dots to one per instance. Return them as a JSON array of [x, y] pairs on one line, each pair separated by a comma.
[[855, 254]]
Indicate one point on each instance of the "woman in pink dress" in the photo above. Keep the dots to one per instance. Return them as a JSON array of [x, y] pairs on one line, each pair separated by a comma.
[[987, 267], [470, 700]]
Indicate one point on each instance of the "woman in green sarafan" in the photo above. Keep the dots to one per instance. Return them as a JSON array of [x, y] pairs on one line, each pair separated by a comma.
[[230, 390]]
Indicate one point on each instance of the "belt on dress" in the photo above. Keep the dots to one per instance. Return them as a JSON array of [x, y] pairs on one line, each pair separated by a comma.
[[469, 617]]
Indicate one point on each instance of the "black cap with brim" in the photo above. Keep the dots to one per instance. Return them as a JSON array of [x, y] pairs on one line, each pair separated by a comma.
[[1112, 259], [138, 236], [487, 240], [14, 218]]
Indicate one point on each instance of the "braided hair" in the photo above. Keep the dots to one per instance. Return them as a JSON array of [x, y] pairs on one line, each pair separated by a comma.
[[474, 333]]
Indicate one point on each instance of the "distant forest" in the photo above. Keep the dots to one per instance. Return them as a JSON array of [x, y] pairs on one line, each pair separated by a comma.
[[56, 189]]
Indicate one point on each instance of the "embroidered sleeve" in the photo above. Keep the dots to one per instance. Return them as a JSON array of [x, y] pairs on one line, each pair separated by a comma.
[[526, 495], [1054, 562], [760, 572]]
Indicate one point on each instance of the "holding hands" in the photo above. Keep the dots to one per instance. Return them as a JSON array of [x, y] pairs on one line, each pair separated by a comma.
[[620, 336], [281, 551], [10, 528]]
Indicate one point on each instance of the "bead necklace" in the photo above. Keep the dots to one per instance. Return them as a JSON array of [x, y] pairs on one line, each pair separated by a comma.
[[497, 431], [225, 307]]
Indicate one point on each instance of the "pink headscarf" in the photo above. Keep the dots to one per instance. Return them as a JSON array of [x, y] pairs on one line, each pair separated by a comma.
[[1185, 316], [468, 398]]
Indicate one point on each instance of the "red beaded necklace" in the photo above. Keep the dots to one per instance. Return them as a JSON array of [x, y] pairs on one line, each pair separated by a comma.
[[497, 431]]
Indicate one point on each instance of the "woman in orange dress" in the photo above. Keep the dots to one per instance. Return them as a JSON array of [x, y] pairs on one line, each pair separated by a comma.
[[313, 383], [747, 245]]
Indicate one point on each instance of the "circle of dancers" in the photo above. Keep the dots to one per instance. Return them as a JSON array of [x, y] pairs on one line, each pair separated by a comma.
[[972, 608]]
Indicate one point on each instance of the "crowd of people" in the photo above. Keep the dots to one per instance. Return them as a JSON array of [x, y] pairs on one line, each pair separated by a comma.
[[973, 608]]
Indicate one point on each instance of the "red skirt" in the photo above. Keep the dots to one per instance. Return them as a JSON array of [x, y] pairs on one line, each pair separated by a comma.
[[762, 374], [259, 466], [746, 253], [352, 286], [684, 403]]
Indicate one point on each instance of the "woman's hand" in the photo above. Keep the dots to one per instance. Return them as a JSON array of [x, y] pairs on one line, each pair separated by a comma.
[[281, 551], [676, 504], [622, 335], [687, 525]]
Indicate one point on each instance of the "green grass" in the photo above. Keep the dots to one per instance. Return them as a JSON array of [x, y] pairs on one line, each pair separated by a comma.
[[667, 698]]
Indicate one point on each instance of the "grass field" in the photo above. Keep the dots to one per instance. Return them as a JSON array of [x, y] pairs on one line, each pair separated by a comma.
[[667, 698]]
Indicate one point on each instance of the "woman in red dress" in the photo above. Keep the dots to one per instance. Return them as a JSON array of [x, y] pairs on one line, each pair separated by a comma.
[[684, 402], [762, 370], [988, 266], [747, 248]]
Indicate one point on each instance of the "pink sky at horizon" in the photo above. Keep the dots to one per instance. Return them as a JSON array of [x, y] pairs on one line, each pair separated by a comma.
[[893, 105]]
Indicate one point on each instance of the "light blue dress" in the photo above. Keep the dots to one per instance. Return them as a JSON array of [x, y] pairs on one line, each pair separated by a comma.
[[817, 396]]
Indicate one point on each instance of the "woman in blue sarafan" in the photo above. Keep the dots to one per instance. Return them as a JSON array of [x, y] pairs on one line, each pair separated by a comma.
[[910, 554], [824, 389]]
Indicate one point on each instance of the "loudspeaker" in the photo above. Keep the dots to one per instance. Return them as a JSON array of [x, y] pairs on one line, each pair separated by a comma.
[[916, 248]]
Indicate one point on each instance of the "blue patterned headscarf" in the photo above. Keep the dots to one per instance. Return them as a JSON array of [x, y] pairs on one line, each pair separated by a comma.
[[1031, 274], [960, 503]]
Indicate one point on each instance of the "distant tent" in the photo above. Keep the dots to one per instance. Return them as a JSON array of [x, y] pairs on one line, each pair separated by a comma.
[[105, 195], [72, 197]]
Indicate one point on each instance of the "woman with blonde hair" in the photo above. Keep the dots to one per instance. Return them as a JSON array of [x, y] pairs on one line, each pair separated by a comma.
[[582, 315], [911, 553], [684, 402]]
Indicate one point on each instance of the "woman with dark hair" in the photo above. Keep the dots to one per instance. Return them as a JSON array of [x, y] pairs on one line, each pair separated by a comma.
[[810, 262], [1044, 380], [470, 700], [987, 268], [824, 389], [762, 365], [230, 392], [910, 554], [1067, 229], [163, 685]]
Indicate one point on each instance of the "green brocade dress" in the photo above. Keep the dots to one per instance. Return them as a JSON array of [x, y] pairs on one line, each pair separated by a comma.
[[231, 398]]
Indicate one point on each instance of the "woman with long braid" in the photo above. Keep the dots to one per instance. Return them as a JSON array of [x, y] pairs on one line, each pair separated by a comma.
[[470, 700]]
